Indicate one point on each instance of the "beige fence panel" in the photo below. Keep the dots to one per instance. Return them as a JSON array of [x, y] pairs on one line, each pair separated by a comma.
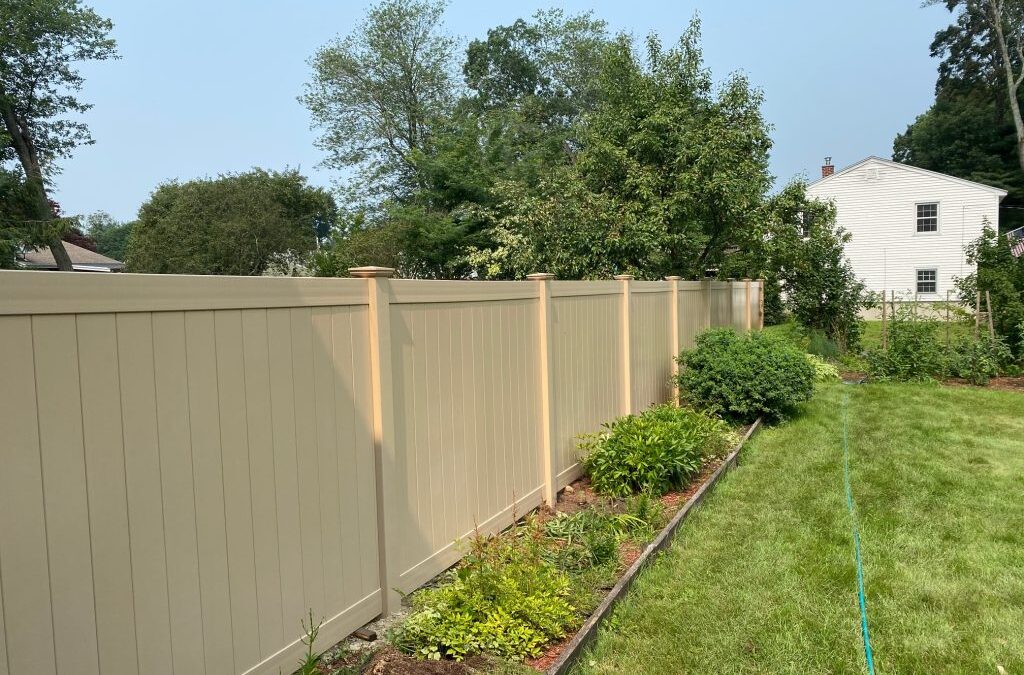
[[587, 365], [467, 397], [651, 354], [721, 296], [694, 311], [186, 483], [190, 464]]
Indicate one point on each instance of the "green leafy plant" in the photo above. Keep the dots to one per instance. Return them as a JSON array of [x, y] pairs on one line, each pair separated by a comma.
[[310, 660], [655, 451], [823, 370], [977, 361], [742, 377], [914, 351], [504, 598]]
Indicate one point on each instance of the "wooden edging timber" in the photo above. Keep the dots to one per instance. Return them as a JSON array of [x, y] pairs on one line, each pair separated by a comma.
[[588, 632]]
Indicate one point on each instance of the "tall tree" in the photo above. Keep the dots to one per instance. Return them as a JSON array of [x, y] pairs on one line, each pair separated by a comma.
[[236, 224], [973, 130], [667, 176], [375, 92], [39, 83], [110, 236]]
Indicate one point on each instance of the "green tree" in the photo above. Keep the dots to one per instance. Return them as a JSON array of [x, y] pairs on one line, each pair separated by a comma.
[[235, 224], [974, 128], [375, 92], [1002, 276], [666, 177], [110, 235], [39, 83], [820, 288], [18, 226]]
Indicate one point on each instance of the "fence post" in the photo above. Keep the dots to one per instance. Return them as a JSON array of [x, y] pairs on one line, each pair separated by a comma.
[[387, 468], [746, 303], [673, 341], [547, 394], [760, 303], [626, 339], [705, 290]]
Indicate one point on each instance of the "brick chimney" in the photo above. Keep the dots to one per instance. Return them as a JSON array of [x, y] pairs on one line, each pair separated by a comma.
[[827, 169]]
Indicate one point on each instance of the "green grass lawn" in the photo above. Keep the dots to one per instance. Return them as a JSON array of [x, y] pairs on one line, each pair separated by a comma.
[[762, 578]]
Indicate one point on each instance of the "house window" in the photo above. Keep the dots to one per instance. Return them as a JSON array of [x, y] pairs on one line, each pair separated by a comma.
[[805, 224], [927, 281], [928, 217]]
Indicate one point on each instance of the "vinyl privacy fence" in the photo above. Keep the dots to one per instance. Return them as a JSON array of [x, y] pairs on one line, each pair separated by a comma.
[[188, 465]]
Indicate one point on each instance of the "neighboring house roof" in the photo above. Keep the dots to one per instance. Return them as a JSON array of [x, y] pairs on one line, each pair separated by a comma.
[[82, 260], [914, 169]]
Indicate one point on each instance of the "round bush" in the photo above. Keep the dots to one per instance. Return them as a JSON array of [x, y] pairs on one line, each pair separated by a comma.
[[742, 377], [656, 451]]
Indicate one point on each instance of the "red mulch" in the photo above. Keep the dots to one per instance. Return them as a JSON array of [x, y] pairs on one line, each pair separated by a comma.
[[550, 655], [580, 495], [389, 661], [1002, 383]]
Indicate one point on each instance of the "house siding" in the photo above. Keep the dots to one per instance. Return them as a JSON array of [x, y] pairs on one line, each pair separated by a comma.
[[880, 214]]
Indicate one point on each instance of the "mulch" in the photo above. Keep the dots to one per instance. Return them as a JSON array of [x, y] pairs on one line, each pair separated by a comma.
[[1002, 383], [579, 495], [389, 661]]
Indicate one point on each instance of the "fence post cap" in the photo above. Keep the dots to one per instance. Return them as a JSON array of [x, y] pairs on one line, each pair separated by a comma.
[[623, 277], [673, 278], [540, 276], [371, 271], [746, 279]]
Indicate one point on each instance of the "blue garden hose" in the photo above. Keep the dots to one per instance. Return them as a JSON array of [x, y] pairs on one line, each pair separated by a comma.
[[856, 536]]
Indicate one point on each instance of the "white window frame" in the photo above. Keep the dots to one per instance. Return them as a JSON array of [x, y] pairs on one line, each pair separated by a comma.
[[917, 281], [938, 218]]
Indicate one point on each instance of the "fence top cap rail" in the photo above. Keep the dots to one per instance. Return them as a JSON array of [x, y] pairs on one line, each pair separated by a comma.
[[44, 292], [371, 271]]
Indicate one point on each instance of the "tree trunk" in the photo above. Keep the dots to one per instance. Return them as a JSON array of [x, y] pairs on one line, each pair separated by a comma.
[[25, 147], [1013, 81]]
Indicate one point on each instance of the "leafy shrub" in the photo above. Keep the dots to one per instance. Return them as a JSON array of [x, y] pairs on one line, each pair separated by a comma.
[[1000, 274], [504, 598], [655, 451], [820, 344], [977, 361], [744, 376], [823, 370], [585, 539], [914, 351]]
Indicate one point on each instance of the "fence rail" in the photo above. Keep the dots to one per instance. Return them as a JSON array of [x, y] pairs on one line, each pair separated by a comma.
[[191, 463]]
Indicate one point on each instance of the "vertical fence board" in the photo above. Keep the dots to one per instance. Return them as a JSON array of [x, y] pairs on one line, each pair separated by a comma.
[[176, 470], [286, 477], [207, 468], [108, 501], [23, 557], [145, 507], [305, 440], [65, 498], [259, 422], [234, 439], [327, 454]]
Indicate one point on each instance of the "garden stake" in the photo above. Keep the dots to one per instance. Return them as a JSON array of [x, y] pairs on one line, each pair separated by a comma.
[[988, 312], [856, 537]]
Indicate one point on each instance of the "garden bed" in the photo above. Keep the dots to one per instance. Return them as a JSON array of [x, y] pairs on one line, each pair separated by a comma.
[[633, 555]]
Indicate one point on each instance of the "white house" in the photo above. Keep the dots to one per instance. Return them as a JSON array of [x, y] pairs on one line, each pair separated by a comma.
[[908, 226]]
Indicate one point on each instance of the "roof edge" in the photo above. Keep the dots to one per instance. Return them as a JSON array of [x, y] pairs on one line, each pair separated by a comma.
[[910, 167]]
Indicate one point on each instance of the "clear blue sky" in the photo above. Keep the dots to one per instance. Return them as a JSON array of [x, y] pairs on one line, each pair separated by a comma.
[[209, 87]]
